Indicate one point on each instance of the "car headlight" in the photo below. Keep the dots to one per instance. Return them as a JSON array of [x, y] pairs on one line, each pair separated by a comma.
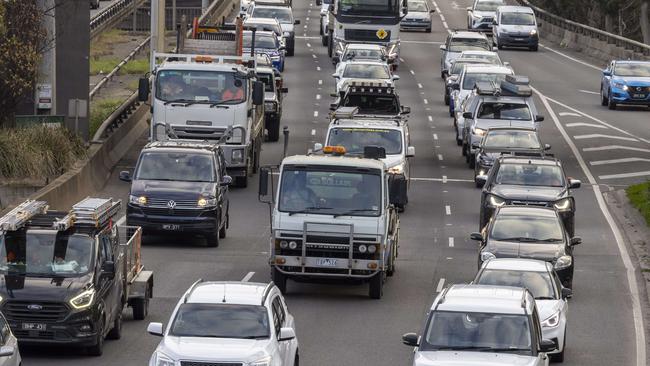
[[372, 249], [83, 300], [619, 85], [533, 32], [397, 169], [362, 248], [138, 200], [266, 361], [552, 321], [496, 201], [270, 106], [478, 131], [284, 244], [486, 256], [475, 16], [161, 359], [293, 245], [206, 202], [237, 156], [563, 204], [563, 262]]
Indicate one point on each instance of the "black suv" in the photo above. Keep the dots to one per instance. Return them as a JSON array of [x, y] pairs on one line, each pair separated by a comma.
[[529, 232], [517, 141], [180, 187], [528, 181]]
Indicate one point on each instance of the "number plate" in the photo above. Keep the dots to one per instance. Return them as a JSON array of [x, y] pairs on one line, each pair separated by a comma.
[[326, 262], [640, 96], [519, 39], [33, 326], [171, 227]]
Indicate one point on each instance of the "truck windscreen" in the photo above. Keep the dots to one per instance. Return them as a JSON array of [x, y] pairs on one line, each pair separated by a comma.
[[355, 139], [191, 86], [330, 192], [45, 253], [369, 7], [373, 104]]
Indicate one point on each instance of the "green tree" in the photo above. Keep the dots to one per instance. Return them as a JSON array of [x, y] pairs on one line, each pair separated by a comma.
[[21, 42]]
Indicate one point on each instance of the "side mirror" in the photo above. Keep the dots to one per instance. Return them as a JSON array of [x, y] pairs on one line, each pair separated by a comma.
[[607, 72], [455, 86], [539, 118], [397, 187], [319, 2], [226, 180], [574, 183], [443, 47], [108, 269], [318, 147], [282, 48], [263, 189], [547, 147], [495, 22], [410, 152], [143, 89], [480, 180], [432, 11], [567, 293], [6, 351], [258, 93], [125, 176], [335, 60], [335, 75], [547, 345], [395, 77], [467, 115], [476, 236], [505, 63], [469, 8], [333, 106], [286, 334], [155, 329], [575, 240], [284, 90], [296, 22], [405, 109], [410, 339], [330, 7]]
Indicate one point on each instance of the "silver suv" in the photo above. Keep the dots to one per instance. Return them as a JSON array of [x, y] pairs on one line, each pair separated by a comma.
[[477, 325]]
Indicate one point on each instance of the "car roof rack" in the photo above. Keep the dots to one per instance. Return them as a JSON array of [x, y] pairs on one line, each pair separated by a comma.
[[20, 216], [189, 290], [529, 153], [267, 291], [345, 113]]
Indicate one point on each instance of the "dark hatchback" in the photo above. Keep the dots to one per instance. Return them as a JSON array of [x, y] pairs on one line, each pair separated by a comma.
[[498, 141], [529, 232], [528, 181], [180, 187]]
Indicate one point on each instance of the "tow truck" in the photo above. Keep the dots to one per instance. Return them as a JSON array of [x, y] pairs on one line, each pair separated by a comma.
[[209, 91], [372, 97], [369, 21], [67, 275], [334, 216]]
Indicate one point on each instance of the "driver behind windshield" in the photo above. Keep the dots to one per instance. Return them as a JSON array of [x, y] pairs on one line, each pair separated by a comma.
[[296, 195], [234, 91]]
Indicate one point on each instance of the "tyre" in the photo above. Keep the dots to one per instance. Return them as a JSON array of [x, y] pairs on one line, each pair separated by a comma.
[[222, 231], [329, 45], [459, 142], [320, 27], [279, 279], [464, 150], [570, 227], [296, 361], [477, 183], [290, 51], [323, 40], [603, 98], [98, 348], [499, 46], [559, 357], [273, 128], [241, 182], [446, 97], [534, 48], [116, 331], [376, 287], [472, 160], [610, 103], [140, 308], [428, 30], [467, 153], [212, 240]]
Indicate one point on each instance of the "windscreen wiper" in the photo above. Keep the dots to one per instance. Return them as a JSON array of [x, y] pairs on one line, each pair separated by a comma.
[[518, 238], [185, 102], [308, 210], [353, 211]]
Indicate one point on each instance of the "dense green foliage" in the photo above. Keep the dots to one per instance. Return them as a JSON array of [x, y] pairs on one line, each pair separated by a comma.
[[639, 195]]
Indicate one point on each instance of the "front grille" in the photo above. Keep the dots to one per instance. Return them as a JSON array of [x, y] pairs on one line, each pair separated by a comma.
[[164, 202], [198, 363], [31, 334], [168, 212], [365, 35], [529, 203], [49, 312]]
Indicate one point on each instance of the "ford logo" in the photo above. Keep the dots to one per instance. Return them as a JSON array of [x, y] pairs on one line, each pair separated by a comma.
[[34, 307], [171, 204]]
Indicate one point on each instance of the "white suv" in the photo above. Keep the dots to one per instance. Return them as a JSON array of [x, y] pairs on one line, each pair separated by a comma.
[[240, 323], [478, 325]]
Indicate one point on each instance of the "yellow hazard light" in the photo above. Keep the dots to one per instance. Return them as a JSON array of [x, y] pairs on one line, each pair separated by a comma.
[[372, 265], [203, 59], [280, 261], [338, 150]]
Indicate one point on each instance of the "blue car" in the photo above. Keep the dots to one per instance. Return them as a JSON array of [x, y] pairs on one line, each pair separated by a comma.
[[268, 43], [625, 82]]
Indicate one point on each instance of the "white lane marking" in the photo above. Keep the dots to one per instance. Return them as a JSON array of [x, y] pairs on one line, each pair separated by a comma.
[[601, 136], [439, 156], [317, 96], [562, 114], [423, 42], [312, 55], [622, 248], [430, 118], [444, 179], [412, 72], [572, 58], [401, 60], [615, 147], [304, 35], [435, 136], [595, 119], [588, 92], [442, 17], [121, 221], [451, 241], [315, 113], [426, 101], [320, 82], [441, 284], [444, 24], [447, 210], [307, 18], [617, 161], [420, 86], [313, 132], [584, 124], [317, 68], [309, 45], [625, 175], [248, 276]]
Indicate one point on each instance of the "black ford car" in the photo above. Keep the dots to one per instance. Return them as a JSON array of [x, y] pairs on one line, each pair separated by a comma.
[[180, 187], [529, 232], [528, 181]]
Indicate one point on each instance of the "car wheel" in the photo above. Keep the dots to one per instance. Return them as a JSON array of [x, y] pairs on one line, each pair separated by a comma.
[[428, 30], [98, 348], [463, 148], [472, 160], [323, 40], [446, 97], [140, 308], [212, 240], [559, 357], [610, 103], [534, 48], [603, 98], [376, 287], [296, 361], [329, 45], [459, 142], [241, 182], [273, 128], [279, 279], [116, 331], [223, 230], [290, 51], [320, 26]]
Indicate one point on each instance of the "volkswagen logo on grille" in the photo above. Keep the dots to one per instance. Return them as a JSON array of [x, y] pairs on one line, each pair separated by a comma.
[[34, 307], [171, 204], [638, 88]]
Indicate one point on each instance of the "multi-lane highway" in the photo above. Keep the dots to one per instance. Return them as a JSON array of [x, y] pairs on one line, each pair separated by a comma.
[[337, 324]]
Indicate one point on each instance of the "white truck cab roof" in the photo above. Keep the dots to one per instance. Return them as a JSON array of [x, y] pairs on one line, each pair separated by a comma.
[[333, 160]]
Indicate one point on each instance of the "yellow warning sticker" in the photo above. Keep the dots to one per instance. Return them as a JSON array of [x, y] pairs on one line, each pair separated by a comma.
[[381, 33]]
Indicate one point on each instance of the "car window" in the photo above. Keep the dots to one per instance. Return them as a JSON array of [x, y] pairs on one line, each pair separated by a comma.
[[488, 5], [511, 139], [175, 166], [356, 139], [504, 111], [530, 175], [365, 71], [517, 19], [458, 44], [527, 229], [470, 79], [261, 41], [540, 284], [282, 14], [632, 69], [418, 6], [220, 321]]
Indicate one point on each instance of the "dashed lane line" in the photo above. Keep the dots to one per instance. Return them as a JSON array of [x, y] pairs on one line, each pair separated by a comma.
[[615, 147], [447, 210], [562, 114], [441, 284], [601, 136], [315, 113], [248, 276], [588, 92], [451, 241], [444, 179], [617, 161], [585, 124], [440, 157], [625, 175]]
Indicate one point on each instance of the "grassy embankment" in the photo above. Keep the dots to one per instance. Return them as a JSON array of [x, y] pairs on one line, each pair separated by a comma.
[[639, 195]]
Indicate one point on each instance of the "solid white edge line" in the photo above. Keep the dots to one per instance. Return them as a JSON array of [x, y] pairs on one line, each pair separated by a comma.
[[248, 276], [572, 58], [625, 256], [441, 284], [625, 175]]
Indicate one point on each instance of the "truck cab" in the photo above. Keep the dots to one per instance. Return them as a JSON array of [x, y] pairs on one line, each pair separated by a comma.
[[334, 216], [65, 277]]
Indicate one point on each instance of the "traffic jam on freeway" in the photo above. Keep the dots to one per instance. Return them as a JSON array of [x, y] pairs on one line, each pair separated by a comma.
[[329, 241]]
